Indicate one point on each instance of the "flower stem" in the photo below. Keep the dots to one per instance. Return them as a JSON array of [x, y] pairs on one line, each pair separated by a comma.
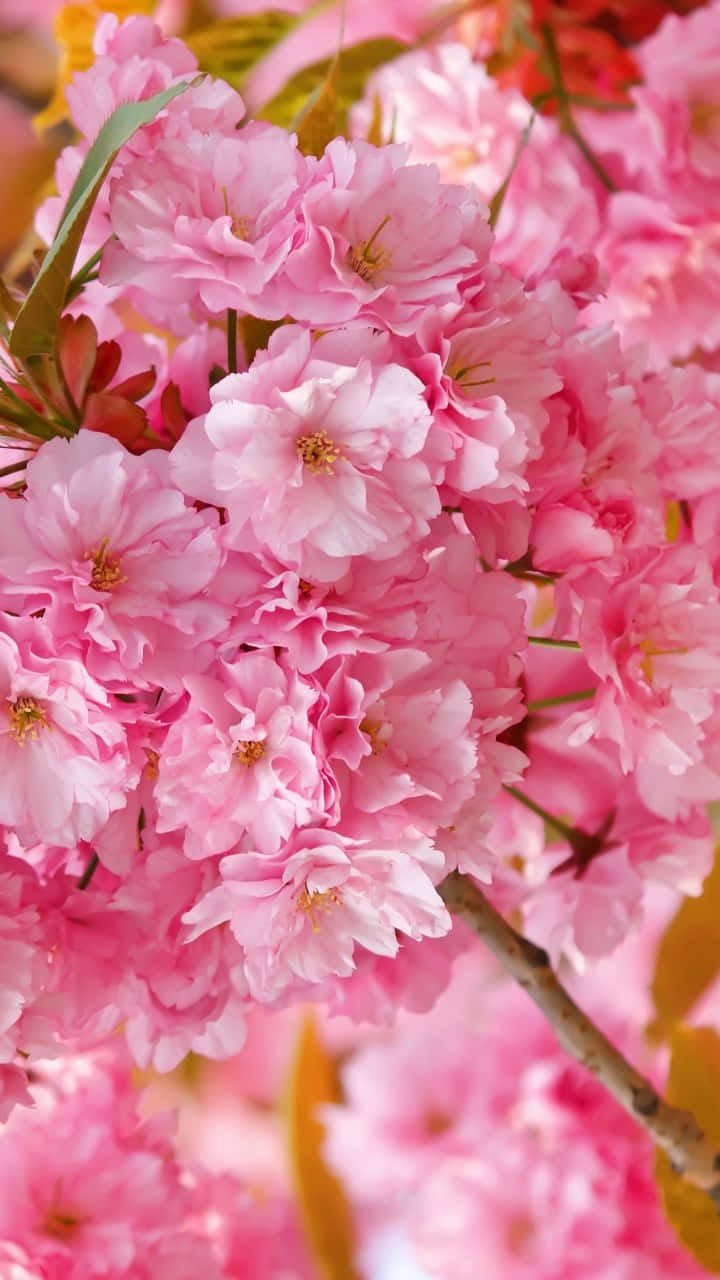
[[675, 1131], [232, 327], [565, 114], [580, 695], [553, 644], [563, 829]]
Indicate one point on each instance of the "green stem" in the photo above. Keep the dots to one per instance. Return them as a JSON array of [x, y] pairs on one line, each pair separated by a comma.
[[580, 696], [554, 644], [565, 114], [83, 276], [232, 328], [563, 828], [89, 872]]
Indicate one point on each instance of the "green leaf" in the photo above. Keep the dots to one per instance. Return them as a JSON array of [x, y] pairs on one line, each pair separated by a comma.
[[688, 956], [356, 64], [323, 1206], [36, 324], [693, 1083], [231, 49]]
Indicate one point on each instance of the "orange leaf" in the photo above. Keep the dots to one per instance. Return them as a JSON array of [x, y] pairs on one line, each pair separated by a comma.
[[323, 1206]]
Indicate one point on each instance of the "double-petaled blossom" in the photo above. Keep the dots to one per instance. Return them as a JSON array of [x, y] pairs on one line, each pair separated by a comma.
[[316, 453], [119, 561]]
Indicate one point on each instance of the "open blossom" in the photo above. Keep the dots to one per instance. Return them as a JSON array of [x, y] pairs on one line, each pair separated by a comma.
[[206, 220], [89, 1189], [300, 915], [316, 459], [134, 61], [382, 240], [65, 761], [651, 634], [488, 368], [410, 759], [473, 1120], [453, 114], [120, 562], [244, 759]]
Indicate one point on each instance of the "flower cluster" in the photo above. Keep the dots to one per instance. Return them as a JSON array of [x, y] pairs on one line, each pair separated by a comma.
[[347, 540]]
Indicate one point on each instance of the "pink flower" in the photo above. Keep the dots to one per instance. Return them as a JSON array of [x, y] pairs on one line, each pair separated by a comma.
[[453, 114], [244, 759], [651, 633], [64, 755], [300, 916], [382, 240], [411, 759], [121, 564], [488, 368], [134, 61], [472, 1118], [211, 231], [315, 458], [89, 1189], [662, 275]]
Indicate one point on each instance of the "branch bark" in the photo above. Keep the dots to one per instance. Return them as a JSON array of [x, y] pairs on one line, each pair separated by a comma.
[[675, 1131]]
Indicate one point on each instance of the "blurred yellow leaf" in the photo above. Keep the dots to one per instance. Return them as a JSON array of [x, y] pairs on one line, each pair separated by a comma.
[[20, 190], [317, 124], [688, 957], [693, 1083], [232, 48], [374, 133], [323, 1207], [356, 63], [74, 29]]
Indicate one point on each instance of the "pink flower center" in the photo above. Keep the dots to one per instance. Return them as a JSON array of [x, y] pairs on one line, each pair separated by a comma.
[[372, 729], [314, 904], [367, 257], [248, 753], [458, 370], [704, 119], [318, 452], [27, 718], [61, 1225], [106, 575]]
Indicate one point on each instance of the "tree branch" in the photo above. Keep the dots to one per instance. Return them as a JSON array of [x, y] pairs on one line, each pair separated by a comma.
[[675, 1131]]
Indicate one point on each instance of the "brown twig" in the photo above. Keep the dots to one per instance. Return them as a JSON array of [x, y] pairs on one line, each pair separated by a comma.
[[675, 1131]]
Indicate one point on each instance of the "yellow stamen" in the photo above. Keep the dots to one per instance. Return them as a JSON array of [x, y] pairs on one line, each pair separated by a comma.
[[249, 752], [372, 729], [27, 718], [704, 118], [153, 760], [318, 452], [458, 371], [305, 588], [106, 575], [311, 903], [366, 259]]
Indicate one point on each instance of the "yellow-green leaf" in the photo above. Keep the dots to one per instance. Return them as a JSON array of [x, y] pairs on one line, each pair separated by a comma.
[[498, 199], [323, 1206], [74, 28], [317, 124], [374, 133], [230, 49], [35, 328], [693, 1083], [688, 957], [356, 63]]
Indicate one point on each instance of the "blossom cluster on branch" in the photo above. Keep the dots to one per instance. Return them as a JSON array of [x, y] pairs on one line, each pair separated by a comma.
[[361, 525]]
